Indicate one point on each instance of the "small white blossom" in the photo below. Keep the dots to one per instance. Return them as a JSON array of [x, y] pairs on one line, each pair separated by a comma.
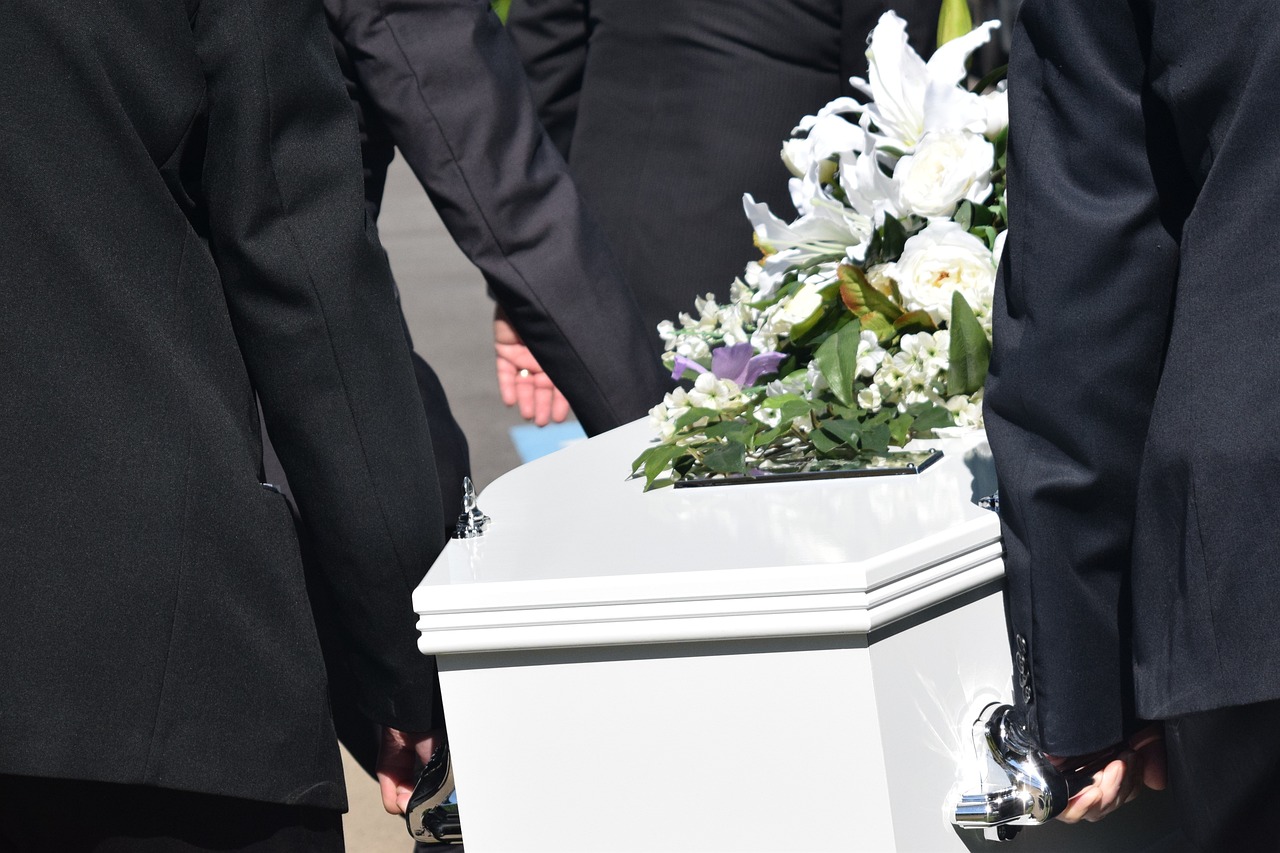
[[967, 410], [711, 393], [663, 416], [870, 354], [869, 398]]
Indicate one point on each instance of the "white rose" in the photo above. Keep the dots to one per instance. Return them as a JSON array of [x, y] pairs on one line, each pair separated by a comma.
[[879, 277], [940, 261], [996, 105], [945, 169], [997, 252]]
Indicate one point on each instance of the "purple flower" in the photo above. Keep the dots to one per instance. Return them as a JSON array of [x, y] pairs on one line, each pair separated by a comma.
[[736, 363]]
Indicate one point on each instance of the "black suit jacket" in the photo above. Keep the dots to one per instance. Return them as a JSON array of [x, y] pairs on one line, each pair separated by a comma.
[[183, 224], [669, 110], [1130, 405], [441, 82]]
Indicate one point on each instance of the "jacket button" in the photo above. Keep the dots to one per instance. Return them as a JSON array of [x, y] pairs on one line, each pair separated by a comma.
[[1026, 693]]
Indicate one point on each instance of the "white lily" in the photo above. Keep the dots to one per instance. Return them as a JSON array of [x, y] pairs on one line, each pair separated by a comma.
[[812, 159], [828, 230], [910, 96], [868, 190]]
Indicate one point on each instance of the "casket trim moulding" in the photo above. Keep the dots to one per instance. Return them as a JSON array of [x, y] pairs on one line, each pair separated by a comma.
[[853, 609]]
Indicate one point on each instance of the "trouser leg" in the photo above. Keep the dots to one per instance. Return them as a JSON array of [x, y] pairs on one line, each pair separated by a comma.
[[1224, 772], [68, 816]]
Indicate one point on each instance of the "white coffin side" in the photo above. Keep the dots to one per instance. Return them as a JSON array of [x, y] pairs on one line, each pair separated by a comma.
[[760, 667], [577, 555]]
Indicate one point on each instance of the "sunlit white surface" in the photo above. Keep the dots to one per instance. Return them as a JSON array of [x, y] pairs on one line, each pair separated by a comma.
[[763, 667], [577, 554]]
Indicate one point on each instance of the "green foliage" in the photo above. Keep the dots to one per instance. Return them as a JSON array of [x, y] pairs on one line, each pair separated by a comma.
[[502, 7], [970, 352], [861, 298], [727, 458], [837, 360]]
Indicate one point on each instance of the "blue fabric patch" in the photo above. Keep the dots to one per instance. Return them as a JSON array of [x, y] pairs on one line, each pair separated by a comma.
[[534, 442]]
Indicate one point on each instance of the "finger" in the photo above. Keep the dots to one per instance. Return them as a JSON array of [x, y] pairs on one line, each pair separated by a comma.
[[519, 355], [503, 331], [1155, 765], [1079, 805], [395, 772], [507, 381], [1108, 784], [542, 396], [559, 407], [524, 396], [1131, 784]]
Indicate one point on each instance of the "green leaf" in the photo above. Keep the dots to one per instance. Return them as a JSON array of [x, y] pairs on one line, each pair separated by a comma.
[[913, 322], [660, 459], [846, 412], [876, 437], [837, 360], [788, 406], [822, 442], [970, 352], [875, 322], [900, 429], [953, 21], [964, 215], [993, 77], [895, 237], [861, 298], [727, 458], [985, 233], [734, 430], [769, 436], [982, 216], [847, 431], [928, 417], [694, 415]]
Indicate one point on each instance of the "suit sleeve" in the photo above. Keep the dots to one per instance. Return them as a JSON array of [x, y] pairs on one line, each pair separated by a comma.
[[445, 78], [1081, 317], [551, 39], [315, 314]]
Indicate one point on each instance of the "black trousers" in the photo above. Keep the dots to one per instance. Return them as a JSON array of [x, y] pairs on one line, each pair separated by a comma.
[[1224, 774], [67, 816]]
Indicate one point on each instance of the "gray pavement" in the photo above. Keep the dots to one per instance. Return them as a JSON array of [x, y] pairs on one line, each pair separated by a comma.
[[450, 317]]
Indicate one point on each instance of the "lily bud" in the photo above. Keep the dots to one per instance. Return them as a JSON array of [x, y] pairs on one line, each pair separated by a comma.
[[954, 20]]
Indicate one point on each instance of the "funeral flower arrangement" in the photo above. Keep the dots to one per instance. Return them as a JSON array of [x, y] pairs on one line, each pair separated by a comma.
[[866, 323]]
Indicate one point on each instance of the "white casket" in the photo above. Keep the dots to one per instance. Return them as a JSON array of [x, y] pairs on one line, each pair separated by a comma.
[[772, 667]]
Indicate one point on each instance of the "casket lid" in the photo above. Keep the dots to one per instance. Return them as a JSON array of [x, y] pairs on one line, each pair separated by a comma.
[[577, 554]]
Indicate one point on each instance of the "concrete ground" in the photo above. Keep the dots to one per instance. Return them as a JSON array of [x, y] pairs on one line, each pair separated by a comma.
[[450, 317]]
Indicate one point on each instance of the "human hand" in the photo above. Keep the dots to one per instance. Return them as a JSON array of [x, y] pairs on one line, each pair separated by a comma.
[[521, 381], [399, 756], [1141, 765]]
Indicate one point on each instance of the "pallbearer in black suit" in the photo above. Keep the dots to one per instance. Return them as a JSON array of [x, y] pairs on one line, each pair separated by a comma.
[[1131, 403], [441, 83], [669, 110], [182, 225]]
